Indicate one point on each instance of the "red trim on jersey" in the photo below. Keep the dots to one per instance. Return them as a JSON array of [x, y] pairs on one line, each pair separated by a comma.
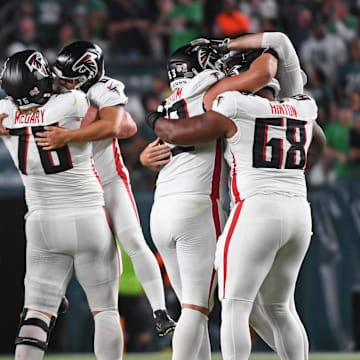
[[234, 188], [51, 158], [215, 194], [228, 238], [294, 137], [122, 174], [304, 146], [70, 160], [281, 146], [26, 148], [185, 107], [95, 172], [265, 141]]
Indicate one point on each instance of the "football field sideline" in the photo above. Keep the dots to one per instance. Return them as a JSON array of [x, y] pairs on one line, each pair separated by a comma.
[[167, 356]]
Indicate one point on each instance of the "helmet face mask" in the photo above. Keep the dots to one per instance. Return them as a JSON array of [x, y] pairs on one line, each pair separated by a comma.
[[188, 61], [82, 62], [27, 80]]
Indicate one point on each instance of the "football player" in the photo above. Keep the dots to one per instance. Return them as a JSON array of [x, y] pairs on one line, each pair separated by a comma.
[[267, 145], [80, 65], [187, 215], [66, 225]]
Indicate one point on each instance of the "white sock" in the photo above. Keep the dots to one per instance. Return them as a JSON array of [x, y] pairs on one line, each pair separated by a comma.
[[148, 272], [235, 332], [205, 348], [28, 352], [188, 335], [108, 339]]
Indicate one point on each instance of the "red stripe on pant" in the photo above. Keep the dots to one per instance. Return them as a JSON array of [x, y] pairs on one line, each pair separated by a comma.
[[123, 176], [228, 238]]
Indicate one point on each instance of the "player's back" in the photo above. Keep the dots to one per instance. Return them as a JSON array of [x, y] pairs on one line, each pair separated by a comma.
[[268, 153], [197, 169], [61, 178]]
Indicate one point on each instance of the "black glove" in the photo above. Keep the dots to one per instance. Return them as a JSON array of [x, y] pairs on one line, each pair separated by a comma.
[[220, 45], [152, 116]]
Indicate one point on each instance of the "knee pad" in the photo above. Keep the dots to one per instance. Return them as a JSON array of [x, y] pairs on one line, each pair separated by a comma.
[[33, 321]]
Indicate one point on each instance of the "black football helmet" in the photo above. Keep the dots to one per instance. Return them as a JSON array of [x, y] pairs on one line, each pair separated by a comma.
[[187, 61], [26, 78], [82, 61]]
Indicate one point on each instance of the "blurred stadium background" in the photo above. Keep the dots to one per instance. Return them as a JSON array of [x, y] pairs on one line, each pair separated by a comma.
[[136, 36]]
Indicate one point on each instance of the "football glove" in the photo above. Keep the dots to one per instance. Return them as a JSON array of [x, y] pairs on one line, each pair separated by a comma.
[[220, 45], [152, 117]]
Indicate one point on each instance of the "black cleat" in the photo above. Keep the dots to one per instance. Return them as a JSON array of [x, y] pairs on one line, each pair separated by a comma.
[[164, 323]]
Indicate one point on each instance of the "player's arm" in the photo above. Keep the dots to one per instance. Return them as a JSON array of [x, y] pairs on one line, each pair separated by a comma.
[[318, 141], [260, 72], [155, 155], [198, 129], [3, 131], [114, 122]]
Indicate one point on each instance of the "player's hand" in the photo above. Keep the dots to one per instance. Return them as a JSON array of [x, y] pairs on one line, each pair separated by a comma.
[[155, 155], [220, 45], [3, 131], [53, 138]]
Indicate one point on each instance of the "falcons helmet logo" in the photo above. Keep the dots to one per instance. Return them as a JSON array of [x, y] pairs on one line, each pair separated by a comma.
[[36, 62], [87, 63], [206, 58]]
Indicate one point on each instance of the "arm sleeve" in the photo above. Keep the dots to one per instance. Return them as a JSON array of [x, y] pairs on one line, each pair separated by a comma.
[[289, 75]]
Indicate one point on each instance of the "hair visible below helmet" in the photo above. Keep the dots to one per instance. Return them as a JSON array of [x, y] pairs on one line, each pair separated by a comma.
[[26, 78], [82, 61], [187, 61]]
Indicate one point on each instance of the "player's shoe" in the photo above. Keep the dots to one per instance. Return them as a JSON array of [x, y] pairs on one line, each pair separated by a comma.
[[164, 323]]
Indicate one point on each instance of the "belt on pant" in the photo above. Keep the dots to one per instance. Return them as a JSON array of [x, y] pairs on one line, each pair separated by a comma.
[[180, 149]]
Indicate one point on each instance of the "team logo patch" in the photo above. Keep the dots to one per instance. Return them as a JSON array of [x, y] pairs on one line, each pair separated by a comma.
[[87, 63], [35, 91], [36, 62]]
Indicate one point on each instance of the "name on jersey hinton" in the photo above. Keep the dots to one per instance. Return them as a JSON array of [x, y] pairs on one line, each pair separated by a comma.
[[30, 118], [283, 109]]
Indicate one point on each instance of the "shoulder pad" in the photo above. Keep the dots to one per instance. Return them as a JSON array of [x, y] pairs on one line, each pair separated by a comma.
[[202, 82]]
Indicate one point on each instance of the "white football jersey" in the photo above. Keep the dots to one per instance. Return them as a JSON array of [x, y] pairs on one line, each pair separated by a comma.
[[196, 169], [60, 178], [107, 157], [268, 153]]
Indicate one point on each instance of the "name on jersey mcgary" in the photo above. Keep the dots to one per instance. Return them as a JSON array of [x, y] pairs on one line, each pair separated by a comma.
[[30, 118]]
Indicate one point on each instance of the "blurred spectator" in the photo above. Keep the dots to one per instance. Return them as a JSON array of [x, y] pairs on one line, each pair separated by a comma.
[[303, 28], [160, 29], [349, 73], [354, 145], [339, 19], [25, 38], [96, 22], [49, 17], [230, 22], [337, 136], [128, 28], [185, 21], [323, 51]]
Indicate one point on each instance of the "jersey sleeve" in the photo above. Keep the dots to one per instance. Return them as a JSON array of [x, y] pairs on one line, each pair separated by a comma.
[[107, 92], [6, 107], [226, 104]]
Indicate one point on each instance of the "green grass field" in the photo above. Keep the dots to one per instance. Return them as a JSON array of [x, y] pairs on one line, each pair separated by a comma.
[[319, 356]]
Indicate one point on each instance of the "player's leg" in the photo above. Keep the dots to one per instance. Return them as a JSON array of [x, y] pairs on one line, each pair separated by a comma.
[[123, 215], [245, 254], [278, 287], [195, 249], [48, 271], [97, 265]]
